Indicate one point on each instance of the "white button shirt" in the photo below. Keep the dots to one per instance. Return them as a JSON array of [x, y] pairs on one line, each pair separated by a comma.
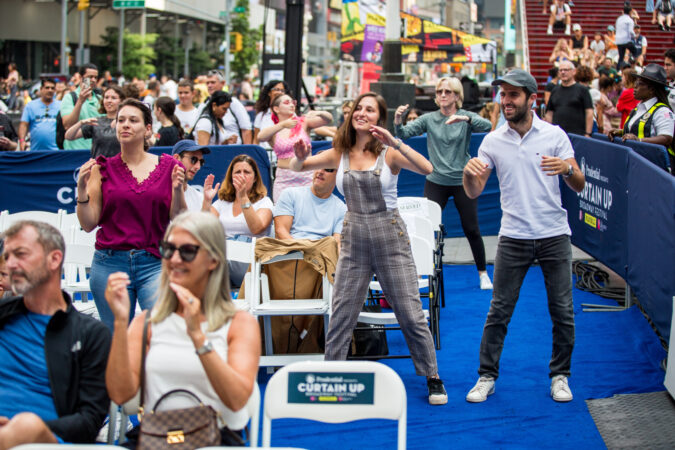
[[530, 199]]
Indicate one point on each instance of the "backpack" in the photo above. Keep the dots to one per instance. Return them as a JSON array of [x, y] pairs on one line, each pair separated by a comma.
[[60, 129], [666, 7]]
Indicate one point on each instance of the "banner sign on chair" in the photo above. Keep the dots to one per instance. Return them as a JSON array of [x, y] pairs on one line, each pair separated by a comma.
[[331, 388], [597, 214]]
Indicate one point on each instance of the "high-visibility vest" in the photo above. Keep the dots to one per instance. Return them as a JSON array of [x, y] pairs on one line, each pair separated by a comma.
[[643, 127]]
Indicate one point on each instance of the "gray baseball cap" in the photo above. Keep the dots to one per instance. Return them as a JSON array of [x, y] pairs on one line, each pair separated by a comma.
[[518, 78]]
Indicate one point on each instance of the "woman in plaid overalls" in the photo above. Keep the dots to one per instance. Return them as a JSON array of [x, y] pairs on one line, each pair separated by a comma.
[[374, 238]]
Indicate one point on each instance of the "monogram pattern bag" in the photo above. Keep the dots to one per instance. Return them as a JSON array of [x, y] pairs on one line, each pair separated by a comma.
[[176, 429]]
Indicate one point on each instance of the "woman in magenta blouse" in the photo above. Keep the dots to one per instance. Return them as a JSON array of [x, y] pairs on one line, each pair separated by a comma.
[[131, 196]]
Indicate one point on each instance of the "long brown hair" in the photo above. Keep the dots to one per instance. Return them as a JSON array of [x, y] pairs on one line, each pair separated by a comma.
[[227, 191], [345, 138], [120, 94]]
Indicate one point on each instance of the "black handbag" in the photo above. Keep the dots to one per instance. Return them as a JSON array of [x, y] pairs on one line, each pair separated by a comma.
[[368, 339]]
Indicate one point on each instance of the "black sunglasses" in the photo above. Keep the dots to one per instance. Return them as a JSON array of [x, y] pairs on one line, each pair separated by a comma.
[[329, 170], [194, 159], [187, 252]]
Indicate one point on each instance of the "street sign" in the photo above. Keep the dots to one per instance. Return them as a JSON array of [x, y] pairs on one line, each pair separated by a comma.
[[128, 4], [239, 9]]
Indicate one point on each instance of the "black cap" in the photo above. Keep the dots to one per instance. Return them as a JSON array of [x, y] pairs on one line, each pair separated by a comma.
[[187, 145], [654, 74], [518, 78]]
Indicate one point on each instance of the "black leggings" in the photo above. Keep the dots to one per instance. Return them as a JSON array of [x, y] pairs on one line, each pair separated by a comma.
[[468, 214]]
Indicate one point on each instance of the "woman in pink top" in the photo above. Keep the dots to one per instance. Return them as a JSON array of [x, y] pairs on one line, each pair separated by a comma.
[[131, 196], [283, 136]]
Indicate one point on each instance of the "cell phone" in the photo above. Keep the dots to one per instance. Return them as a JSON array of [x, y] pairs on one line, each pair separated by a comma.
[[86, 83]]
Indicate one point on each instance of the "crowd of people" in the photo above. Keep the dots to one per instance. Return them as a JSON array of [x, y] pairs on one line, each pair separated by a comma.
[[161, 243]]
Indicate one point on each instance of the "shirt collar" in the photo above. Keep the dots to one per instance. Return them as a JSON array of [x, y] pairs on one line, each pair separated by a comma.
[[649, 103], [537, 123]]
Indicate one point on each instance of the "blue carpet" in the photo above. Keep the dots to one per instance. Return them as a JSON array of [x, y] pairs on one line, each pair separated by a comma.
[[615, 353]]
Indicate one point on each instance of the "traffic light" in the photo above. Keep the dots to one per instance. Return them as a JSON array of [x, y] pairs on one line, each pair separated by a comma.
[[236, 42], [82, 5]]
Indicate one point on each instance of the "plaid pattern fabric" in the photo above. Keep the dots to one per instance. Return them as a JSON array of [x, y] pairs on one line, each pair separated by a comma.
[[375, 240]]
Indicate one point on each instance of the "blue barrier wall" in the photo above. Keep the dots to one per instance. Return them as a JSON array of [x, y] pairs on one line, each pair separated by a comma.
[[656, 154], [47, 180], [625, 218]]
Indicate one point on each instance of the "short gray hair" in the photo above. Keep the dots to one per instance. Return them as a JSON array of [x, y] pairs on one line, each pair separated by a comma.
[[49, 237]]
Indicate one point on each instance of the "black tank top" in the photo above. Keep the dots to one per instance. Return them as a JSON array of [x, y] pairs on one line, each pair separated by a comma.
[[577, 43]]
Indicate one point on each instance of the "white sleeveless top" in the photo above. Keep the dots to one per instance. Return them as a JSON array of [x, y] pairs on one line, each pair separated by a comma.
[[172, 363], [388, 180]]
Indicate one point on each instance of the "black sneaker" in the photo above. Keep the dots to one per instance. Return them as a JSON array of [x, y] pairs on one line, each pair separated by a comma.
[[437, 394], [661, 27]]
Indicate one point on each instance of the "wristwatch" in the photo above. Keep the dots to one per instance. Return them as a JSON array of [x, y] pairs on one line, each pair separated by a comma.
[[205, 348], [246, 205], [569, 172]]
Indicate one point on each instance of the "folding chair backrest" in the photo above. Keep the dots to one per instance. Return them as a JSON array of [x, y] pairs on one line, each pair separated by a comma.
[[423, 255], [422, 206], [77, 260], [388, 395], [243, 252], [51, 218], [420, 226]]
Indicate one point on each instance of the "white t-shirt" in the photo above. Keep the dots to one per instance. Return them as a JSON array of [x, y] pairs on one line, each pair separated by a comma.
[[187, 118], [193, 198], [598, 46], [204, 124], [237, 225], [243, 119], [530, 199], [262, 121], [624, 29], [560, 12]]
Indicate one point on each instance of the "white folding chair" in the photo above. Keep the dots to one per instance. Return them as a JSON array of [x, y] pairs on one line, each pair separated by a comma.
[[243, 252], [423, 257], [388, 396], [264, 306], [54, 219], [432, 211]]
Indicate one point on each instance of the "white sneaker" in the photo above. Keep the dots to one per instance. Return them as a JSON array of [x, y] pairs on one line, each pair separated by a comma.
[[567, 30], [560, 390], [485, 283], [479, 393], [549, 30]]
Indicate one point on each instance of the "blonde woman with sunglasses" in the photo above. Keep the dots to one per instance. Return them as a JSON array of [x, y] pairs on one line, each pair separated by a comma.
[[448, 137]]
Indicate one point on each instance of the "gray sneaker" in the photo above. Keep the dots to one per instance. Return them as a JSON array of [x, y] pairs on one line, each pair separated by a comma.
[[479, 393]]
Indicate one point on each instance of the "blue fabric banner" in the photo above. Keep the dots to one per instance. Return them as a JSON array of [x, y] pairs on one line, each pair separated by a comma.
[[651, 247], [47, 180], [597, 215]]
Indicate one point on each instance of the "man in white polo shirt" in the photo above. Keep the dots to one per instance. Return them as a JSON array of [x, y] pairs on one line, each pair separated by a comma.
[[528, 155]]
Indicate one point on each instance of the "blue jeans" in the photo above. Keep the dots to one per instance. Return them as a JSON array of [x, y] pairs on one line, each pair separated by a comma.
[[514, 257], [143, 269]]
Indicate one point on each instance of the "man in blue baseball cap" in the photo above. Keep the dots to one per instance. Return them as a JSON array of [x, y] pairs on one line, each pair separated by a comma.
[[191, 156], [528, 154]]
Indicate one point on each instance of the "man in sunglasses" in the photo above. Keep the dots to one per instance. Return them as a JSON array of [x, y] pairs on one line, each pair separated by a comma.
[[39, 116], [191, 156]]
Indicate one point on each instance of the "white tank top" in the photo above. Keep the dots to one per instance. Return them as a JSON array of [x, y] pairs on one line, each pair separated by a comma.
[[172, 363], [388, 180]]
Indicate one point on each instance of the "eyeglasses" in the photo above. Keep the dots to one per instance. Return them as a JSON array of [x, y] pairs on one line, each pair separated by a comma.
[[565, 70], [187, 252], [282, 90], [194, 160], [444, 92], [329, 170]]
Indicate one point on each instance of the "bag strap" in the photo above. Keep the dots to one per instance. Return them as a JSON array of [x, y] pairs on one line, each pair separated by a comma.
[[144, 346], [177, 391]]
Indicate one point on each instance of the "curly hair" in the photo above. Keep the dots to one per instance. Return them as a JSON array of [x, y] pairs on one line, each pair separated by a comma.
[[263, 103]]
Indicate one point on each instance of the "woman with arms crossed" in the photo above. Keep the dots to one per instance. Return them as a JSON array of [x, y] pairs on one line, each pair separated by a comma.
[[131, 196], [374, 237]]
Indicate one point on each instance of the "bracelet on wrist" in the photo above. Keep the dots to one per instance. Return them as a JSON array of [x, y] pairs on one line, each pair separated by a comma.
[[83, 201]]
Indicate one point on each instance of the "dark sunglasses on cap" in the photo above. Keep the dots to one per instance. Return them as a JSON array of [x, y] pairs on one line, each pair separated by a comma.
[[194, 159], [187, 252]]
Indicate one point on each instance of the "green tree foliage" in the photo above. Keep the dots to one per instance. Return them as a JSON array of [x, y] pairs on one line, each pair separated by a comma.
[[244, 59], [138, 53]]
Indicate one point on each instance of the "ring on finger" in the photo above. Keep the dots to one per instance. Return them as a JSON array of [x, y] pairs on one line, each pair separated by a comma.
[[191, 300]]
